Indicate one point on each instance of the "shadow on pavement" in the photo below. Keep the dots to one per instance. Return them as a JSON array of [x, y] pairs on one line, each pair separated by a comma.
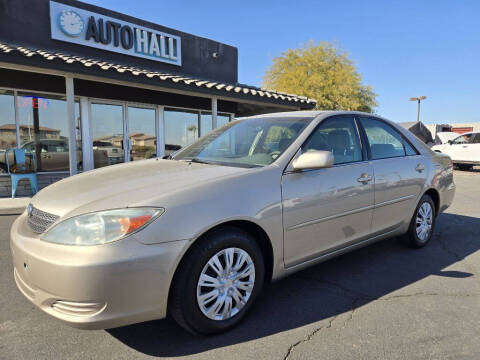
[[329, 289]]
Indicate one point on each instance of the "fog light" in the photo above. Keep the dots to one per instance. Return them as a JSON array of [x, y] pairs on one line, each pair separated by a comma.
[[78, 308]]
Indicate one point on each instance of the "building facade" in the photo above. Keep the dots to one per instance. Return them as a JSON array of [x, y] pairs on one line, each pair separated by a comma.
[[459, 128], [83, 87]]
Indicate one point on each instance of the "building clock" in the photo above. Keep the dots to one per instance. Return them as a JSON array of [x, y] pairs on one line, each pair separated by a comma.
[[70, 23]]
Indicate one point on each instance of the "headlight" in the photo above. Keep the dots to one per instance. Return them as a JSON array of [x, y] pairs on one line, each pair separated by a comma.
[[101, 227]]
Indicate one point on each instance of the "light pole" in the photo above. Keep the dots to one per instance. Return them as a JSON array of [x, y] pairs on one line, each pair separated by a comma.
[[418, 99]]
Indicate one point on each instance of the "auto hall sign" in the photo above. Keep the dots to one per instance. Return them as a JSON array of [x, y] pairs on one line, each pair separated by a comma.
[[78, 26]]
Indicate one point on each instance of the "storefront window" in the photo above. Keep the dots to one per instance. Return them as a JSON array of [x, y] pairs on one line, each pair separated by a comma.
[[8, 133], [141, 125], [206, 123], [181, 129], [43, 126], [222, 120], [107, 130]]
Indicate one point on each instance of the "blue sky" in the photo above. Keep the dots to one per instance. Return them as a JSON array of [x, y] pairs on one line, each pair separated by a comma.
[[401, 48]]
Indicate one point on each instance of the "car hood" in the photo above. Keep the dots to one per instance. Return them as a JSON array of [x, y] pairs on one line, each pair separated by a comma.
[[139, 183], [445, 136]]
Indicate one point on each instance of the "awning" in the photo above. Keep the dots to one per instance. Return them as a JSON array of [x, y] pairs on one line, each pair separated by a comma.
[[164, 79]]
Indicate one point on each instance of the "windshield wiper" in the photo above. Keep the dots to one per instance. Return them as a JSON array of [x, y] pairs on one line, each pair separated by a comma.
[[200, 161]]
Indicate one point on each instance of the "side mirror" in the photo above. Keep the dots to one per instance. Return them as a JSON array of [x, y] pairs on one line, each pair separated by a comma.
[[313, 160], [450, 142]]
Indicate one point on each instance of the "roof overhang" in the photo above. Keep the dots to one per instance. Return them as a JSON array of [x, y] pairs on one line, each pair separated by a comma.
[[55, 63]]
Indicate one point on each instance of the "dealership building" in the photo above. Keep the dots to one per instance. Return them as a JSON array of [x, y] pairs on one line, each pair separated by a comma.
[[125, 89]]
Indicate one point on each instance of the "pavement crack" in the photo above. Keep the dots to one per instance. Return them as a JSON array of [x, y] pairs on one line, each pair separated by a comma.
[[309, 337], [460, 259], [444, 246], [355, 305], [400, 296]]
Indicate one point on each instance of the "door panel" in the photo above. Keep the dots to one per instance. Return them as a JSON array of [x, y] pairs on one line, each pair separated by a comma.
[[473, 153], [57, 155], [400, 174], [397, 186], [458, 150], [325, 209]]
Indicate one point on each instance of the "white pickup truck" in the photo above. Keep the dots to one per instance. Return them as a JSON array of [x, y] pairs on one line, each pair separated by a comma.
[[464, 150]]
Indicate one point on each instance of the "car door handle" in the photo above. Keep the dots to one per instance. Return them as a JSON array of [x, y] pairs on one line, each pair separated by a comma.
[[364, 178], [465, 146], [420, 167]]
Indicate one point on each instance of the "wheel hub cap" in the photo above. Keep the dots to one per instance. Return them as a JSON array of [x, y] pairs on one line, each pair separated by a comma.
[[225, 284], [424, 221]]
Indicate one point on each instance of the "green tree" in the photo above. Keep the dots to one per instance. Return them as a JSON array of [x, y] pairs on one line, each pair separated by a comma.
[[322, 72]]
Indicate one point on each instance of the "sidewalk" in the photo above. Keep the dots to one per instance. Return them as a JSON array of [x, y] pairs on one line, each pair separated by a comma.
[[15, 206]]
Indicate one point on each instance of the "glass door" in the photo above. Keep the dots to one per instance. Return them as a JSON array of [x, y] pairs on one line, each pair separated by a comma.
[[141, 127], [107, 123]]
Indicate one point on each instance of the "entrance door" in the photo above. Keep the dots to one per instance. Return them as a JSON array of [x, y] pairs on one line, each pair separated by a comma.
[[122, 133], [107, 122], [142, 137]]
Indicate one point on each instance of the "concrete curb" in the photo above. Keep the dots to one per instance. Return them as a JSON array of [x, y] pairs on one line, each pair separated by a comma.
[[13, 206]]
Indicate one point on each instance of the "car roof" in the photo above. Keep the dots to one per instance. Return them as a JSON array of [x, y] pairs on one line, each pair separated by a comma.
[[307, 114], [470, 133]]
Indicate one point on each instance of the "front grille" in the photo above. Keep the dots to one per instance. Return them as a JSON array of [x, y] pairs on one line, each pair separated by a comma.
[[39, 220]]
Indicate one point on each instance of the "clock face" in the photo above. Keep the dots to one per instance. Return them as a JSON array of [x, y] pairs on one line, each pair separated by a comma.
[[71, 23]]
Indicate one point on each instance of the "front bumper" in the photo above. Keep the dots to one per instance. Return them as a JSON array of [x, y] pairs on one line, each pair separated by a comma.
[[95, 287]]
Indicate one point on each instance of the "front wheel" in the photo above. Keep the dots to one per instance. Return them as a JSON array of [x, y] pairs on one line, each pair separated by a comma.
[[422, 224], [217, 282]]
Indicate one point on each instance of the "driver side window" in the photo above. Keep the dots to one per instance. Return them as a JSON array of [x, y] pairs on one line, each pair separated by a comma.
[[460, 140], [338, 135]]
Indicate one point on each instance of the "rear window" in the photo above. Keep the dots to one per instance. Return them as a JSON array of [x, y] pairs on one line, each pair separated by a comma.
[[385, 142]]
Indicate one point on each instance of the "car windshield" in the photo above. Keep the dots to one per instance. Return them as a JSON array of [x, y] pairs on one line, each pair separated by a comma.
[[251, 142]]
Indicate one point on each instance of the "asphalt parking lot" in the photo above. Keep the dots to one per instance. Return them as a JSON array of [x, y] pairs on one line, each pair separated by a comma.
[[384, 301]]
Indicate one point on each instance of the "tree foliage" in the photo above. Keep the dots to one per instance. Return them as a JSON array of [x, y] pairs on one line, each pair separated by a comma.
[[322, 72]]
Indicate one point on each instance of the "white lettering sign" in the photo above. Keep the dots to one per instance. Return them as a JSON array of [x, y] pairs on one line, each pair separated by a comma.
[[84, 27]]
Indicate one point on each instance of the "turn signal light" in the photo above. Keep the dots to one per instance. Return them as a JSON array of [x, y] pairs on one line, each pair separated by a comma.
[[134, 223]]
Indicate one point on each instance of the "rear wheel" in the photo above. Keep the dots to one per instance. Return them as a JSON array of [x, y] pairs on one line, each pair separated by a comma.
[[217, 282], [422, 224]]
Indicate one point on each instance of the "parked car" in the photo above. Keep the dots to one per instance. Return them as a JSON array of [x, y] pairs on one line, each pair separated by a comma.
[[464, 150], [198, 235], [54, 155], [114, 153]]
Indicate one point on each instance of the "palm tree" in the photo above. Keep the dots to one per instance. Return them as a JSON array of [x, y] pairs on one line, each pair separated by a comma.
[[193, 128]]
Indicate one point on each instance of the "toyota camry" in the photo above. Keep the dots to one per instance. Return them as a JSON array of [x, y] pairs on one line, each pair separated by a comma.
[[196, 236]]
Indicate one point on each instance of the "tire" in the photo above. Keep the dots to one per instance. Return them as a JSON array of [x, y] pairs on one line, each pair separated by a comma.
[[418, 239], [185, 304], [464, 167]]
